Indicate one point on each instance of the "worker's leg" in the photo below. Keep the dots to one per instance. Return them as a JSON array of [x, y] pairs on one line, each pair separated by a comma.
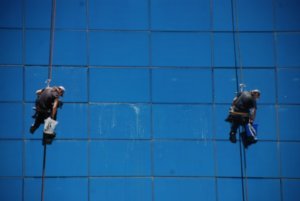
[[39, 119], [233, 130]]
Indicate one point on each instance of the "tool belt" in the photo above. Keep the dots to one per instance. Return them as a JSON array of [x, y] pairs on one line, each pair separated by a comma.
[[238, 117]]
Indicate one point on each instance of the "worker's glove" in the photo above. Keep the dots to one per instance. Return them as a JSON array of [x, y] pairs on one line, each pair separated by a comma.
[[251, 121]]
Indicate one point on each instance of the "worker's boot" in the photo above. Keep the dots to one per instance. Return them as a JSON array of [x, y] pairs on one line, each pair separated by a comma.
[[232, 137]]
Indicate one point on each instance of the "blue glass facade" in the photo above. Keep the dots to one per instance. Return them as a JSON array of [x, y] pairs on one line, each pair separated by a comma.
[[149, 84]]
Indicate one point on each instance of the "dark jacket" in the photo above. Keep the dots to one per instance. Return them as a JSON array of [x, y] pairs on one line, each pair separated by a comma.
[[244, 102], [45, 100]]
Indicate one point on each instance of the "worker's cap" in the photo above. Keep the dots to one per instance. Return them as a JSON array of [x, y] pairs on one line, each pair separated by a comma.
[[63, 89], [256, 91]]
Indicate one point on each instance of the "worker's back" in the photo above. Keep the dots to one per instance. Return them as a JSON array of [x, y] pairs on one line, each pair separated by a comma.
[[46, 98], [245, 102]]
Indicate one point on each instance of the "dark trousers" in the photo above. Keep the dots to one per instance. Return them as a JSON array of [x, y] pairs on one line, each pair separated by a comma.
[[235, 126], [40, 118], [237, 121]]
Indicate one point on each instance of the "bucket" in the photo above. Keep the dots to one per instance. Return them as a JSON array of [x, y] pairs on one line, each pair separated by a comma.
[[251, 130]]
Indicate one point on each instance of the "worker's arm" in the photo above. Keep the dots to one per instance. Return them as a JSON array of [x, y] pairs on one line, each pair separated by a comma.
[[234, 101], [54, 108], [252, 115], [38, 92], [253, 112], [231, 109]]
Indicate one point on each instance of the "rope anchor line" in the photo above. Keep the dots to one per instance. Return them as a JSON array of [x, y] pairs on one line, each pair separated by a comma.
[[48, 82], [239, 88], [51, 46], [52, 29]]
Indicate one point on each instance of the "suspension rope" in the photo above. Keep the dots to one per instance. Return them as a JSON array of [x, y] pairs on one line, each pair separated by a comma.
[[44, 170], [239, 87], [52, 29], [237, 43]]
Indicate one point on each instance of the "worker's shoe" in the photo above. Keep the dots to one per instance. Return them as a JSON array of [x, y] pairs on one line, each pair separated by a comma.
[[32, 129], [232, 137]]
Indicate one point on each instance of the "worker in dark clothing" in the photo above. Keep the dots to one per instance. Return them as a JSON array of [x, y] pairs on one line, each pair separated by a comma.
[[46, 105], [242, 112]]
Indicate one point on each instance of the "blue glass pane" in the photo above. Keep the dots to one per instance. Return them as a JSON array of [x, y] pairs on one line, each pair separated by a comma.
[[118, 14], [11, 13], [120, 121], [62, 157], [225, 85], [255, 15], [288, 86], [121, 189], [73, 79], [70, 48], [178, 189], [256, 49], [37, 47], [11, 47], [222, 15], [263, 165], [35, 78], [71, 14], [11, 158], [263, 189], [119, 85], [10, 189], [288, 126], [12, 120], [38, 13], [181, 49], [229, 189], [11, 82], [120, 158], [73, 121], [290, 161], [287, 15], [183, 158], [266, 121], [222, 127], [75, 189], [119, 48], [261, 79], [182, 121], [181, 85], [223, 50], [288, 46], [72, 155], [180, 14], [228, 159], [290, 190]]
